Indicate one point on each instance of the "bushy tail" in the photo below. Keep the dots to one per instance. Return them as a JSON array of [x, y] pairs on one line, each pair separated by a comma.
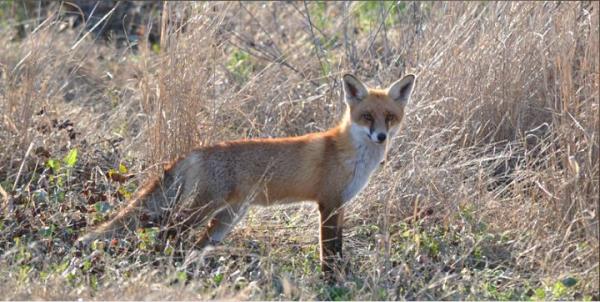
[[146, 208]]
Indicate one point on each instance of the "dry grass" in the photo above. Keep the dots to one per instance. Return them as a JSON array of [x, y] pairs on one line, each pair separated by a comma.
[[490, 191]]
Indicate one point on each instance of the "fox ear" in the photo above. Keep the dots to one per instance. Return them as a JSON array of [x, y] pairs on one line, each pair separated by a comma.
[[354, 89], [401, 90]]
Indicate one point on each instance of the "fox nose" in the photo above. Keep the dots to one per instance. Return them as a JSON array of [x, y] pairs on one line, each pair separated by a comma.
[[381, 137]]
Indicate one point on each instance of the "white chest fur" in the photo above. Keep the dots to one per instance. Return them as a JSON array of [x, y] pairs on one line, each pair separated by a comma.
[[367, 159]]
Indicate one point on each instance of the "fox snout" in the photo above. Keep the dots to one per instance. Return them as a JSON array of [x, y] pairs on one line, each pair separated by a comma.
[[378, 137]]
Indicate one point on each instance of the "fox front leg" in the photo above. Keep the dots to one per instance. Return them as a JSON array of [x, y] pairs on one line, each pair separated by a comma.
[[331, 238]]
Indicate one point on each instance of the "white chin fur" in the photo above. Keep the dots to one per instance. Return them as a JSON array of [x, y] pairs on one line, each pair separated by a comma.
[[374, 139]]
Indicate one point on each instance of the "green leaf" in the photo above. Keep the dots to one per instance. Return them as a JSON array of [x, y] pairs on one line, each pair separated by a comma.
[[87, 265], [240, 65], [539, 295], [559, 290], [94, 282], [102, 207], [53, 164], [181, 277], [98, 245], [339, 293], [156, 48], [569, 282], [71, 159], [125, 192], [123, 169], [218, 278]]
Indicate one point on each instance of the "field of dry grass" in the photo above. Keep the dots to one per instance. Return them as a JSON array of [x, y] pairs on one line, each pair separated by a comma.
[[490, 192]]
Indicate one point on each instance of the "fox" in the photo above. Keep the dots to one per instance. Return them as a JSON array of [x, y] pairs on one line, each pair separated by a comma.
[[218, 183]]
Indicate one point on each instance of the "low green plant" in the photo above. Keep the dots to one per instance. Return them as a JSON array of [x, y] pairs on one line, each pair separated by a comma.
[[240, 65]]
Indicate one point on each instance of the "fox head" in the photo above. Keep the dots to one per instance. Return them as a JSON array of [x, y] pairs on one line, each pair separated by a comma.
[[375, 114]]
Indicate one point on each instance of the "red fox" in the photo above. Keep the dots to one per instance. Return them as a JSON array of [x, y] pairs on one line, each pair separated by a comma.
[[221, 181]]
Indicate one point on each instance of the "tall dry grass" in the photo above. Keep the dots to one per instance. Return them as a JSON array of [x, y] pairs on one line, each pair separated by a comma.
[[490, 191]]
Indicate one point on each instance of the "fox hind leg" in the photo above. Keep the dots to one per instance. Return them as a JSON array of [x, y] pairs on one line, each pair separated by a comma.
[[221, 224], [184, 220]]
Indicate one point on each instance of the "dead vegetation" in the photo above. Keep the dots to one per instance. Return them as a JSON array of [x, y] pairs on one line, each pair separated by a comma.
[[490, 191]]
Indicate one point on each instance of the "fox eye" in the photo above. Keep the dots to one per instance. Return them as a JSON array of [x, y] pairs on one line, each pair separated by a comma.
[[367, 117], [389, 118]]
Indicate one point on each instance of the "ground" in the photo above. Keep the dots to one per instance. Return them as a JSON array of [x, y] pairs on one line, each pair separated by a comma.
[[489, 192]]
